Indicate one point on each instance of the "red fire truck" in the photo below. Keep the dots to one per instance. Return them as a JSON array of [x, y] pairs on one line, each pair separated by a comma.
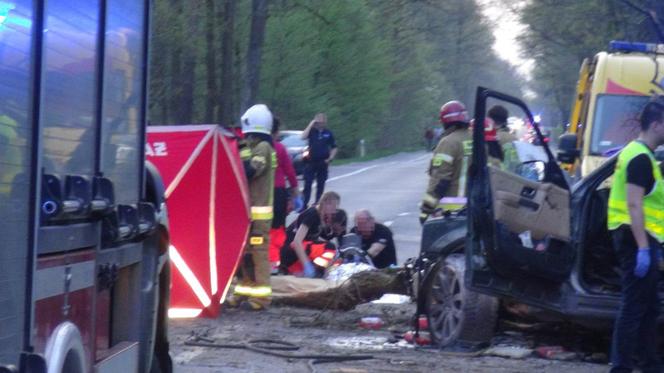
[[84, 239]]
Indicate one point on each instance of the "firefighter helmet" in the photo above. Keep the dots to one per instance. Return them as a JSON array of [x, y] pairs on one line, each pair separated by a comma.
[[490, 132], [257, 119], [453, 112]]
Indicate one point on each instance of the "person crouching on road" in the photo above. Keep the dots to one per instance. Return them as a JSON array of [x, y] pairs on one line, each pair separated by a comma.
[[377, 239], [335, 230], [305, 231], [284, 172], [635, 219], [449, 164], [252, 290]]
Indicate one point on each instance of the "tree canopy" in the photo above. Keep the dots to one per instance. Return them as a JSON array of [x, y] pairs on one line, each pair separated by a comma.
[[561, 33], [379, 69]]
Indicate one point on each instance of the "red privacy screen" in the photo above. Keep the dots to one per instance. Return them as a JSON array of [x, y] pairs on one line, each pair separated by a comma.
[[208, 210]]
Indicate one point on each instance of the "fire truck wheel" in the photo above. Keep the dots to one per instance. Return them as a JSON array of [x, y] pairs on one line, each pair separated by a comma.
[[64, 351], [454, 312]]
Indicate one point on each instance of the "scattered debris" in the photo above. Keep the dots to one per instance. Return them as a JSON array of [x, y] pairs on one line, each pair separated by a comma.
[[343, 272], [373, 322], [365, 343], [512, 352], [393, 299], [556, 353], [424, 338]]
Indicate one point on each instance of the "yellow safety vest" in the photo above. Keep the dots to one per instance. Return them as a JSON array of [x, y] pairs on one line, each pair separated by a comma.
[[653, 203]]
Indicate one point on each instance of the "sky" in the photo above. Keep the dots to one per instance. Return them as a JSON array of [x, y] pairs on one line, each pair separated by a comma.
[[506, 29]]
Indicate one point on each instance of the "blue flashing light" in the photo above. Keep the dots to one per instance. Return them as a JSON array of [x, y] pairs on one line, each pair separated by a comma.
[[5, 8], [627, 46]]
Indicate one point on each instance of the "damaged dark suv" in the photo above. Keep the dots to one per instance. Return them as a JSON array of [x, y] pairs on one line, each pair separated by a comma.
[[526, 235]]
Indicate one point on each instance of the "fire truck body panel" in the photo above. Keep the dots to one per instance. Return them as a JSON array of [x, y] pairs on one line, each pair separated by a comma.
[[83, 240]]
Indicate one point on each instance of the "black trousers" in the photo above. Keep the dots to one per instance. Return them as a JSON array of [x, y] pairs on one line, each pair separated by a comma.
[[635, 328], [314, 170], [280, 207]]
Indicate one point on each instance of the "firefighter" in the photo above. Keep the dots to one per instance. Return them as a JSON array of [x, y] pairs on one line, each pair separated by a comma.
[[494, 150], [253, 291], [509, 158], [635, 218], [447, 171]]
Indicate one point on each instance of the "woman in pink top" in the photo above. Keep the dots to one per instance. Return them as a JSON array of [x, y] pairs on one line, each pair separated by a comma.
[[284, 171]]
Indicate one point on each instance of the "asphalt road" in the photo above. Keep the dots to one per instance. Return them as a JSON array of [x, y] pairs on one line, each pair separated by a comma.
[[391, 188]]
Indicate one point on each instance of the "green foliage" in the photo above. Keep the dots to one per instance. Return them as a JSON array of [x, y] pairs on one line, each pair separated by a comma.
[[561, 33], [380, 69]]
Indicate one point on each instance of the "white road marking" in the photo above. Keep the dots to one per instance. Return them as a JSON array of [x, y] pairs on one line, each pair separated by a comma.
[[404, 214], [388, 223], [351, 173]]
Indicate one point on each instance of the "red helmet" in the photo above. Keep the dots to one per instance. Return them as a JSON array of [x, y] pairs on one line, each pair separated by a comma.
[[452, 112], [490, 131]]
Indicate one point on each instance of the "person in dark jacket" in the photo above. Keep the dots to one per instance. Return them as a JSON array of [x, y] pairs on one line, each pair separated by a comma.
[[322, 150], [377, 239]]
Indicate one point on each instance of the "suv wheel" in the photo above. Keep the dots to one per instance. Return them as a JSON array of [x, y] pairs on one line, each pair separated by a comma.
[[454, 312]]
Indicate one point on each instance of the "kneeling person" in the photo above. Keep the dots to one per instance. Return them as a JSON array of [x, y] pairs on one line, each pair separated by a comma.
[[303, 250], [377, 239]]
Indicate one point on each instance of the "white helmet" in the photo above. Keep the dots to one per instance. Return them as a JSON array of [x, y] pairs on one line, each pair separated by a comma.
[[257, 119]]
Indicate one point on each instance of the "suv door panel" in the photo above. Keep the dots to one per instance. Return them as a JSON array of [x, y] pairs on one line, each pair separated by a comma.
[[525, 205], [502, 206]]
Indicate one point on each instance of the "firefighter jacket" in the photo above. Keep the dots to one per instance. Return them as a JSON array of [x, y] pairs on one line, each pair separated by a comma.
[[510, 159], [262, 161], [449, 163]]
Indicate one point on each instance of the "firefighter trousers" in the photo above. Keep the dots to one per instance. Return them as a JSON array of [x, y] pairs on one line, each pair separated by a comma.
[[253, 275]]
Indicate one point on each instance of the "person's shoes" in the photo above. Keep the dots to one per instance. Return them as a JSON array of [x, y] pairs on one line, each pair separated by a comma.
[[233, 301], [252, 305]]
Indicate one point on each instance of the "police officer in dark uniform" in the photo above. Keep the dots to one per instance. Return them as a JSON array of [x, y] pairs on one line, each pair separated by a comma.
[[322, 150]]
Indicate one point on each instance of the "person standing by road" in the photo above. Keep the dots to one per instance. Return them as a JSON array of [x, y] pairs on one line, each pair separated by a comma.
[[377, 239], [253, 291], [449, 164], [322, 150], [636, 202]]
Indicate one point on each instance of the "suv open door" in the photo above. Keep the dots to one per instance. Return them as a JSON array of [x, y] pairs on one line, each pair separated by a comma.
[[519, 217]]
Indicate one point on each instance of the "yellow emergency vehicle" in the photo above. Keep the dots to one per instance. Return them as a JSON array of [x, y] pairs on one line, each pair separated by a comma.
[[612, 89]]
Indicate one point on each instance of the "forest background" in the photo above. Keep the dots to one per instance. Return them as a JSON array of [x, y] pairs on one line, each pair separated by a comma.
[[380, 69]]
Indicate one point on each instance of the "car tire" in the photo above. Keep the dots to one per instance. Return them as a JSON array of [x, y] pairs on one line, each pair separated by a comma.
[[456, 314]]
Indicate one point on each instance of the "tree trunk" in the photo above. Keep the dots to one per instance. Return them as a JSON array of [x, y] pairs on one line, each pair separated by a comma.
[[254, 52], [176, 71], [189, 64], [360, 288], [227, 84], [212, 99]]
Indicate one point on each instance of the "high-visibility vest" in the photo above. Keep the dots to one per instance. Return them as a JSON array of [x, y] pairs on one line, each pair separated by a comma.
[[653, 203]]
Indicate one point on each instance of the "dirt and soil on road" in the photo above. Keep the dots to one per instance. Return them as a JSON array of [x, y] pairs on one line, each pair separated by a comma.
[[338, 332]]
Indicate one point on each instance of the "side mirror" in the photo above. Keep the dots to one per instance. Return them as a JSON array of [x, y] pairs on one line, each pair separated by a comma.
[[532, 170], [567, 151]]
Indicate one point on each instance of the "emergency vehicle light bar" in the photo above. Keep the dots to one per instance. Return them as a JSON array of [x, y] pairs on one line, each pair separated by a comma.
[[628, 46]]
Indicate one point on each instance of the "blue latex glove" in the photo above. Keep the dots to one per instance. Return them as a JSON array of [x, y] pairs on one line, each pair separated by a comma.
[[309, 270], [642, 262], [298, 203]]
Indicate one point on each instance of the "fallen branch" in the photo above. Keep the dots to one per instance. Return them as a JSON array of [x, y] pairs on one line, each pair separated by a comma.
[[359, 288]]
